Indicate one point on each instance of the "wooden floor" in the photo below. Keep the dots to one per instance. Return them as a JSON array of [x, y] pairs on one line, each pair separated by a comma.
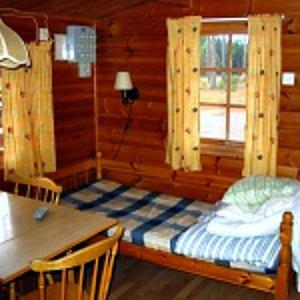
[[137, 280], [134, 280]]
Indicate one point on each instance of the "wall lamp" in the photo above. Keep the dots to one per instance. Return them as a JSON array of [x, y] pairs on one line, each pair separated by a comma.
[[123, 84]]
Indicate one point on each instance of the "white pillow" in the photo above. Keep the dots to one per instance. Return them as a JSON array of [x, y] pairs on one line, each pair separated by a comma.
[[252, 214]]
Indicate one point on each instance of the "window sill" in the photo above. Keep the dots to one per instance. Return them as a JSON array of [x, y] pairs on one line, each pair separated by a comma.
[[222, 148]]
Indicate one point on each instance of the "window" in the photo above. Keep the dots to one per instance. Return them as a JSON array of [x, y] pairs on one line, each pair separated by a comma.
[[223, 88]]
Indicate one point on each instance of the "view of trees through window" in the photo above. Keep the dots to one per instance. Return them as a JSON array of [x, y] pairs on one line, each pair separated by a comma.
[[223, 86]]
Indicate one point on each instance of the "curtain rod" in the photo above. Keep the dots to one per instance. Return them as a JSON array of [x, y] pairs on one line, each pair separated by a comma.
[[221, 20]]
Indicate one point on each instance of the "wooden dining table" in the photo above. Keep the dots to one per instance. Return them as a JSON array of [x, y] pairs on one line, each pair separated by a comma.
[[23, 238]]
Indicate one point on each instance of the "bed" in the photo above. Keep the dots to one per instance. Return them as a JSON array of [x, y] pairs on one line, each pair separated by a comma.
[[144, 212]]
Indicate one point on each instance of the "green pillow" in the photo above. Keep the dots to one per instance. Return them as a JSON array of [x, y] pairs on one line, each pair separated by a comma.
[[256, 190]]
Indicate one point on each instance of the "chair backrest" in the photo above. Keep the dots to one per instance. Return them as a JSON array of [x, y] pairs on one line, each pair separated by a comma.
[[39, 188], [98, 287]]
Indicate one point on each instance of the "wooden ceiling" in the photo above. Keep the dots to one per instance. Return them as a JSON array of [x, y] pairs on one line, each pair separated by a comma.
[[92, 9]]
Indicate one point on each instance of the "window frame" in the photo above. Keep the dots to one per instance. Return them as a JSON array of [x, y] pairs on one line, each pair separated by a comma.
[[219, 147], [1, 119]]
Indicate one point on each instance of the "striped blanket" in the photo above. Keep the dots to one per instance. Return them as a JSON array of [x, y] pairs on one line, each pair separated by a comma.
[[178, 225], [154, 220], [258, 253]]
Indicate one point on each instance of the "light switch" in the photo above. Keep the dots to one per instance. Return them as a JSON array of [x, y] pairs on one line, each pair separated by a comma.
[[43, 34], [60, 47], [288, 78]]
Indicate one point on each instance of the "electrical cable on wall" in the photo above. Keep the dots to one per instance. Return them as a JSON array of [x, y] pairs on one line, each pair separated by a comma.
[[124, 131]]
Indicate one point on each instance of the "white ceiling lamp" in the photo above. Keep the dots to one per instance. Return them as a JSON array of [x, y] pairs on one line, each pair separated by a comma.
[[13, 51]]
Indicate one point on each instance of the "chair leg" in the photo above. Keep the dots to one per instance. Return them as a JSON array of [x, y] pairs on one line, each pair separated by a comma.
[[12, 291]]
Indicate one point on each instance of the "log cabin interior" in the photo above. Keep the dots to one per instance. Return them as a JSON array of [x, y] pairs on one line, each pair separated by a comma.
[[175, 104]]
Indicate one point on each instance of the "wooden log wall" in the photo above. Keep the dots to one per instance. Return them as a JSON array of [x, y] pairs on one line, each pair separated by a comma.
[[73, 97], [136, 40]]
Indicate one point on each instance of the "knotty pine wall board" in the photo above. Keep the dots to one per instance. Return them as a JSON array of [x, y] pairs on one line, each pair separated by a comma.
[[136, 40], [73, 98]]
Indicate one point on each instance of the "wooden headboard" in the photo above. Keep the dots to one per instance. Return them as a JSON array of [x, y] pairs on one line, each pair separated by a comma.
[[77, 175], [287, 171]]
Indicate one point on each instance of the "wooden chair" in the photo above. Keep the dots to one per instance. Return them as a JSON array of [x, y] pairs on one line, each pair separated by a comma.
[[67, 289], [39, 188]]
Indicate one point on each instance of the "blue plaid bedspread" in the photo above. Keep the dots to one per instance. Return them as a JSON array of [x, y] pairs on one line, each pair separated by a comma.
[[154, 220]]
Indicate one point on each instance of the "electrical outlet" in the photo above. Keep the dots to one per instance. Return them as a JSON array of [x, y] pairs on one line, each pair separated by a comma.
[[288, 78]]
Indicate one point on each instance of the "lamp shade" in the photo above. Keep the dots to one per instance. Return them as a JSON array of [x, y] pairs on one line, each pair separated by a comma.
[[13, 51], [123, 81]]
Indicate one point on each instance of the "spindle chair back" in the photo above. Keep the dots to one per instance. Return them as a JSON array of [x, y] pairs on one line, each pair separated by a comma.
[[66, 290], [39, 188]]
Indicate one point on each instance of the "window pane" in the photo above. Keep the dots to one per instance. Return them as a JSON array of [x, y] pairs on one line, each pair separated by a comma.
[[214, 49], [212, 122], [238, 88], [213, 87], [239, 50], [237, 124]]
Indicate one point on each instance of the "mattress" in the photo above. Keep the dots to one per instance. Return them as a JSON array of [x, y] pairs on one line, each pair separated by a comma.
[[173, 224], [150, 219]]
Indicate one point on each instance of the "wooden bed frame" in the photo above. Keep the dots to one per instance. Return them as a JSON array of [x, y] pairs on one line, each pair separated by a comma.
[[279, 284]]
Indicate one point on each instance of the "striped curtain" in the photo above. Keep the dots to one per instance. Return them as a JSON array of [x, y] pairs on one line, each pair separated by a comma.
[[29, 145], [263, 95], [183, 81]]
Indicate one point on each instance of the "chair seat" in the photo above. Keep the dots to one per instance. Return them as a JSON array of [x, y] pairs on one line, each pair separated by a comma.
[[53, 292]]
